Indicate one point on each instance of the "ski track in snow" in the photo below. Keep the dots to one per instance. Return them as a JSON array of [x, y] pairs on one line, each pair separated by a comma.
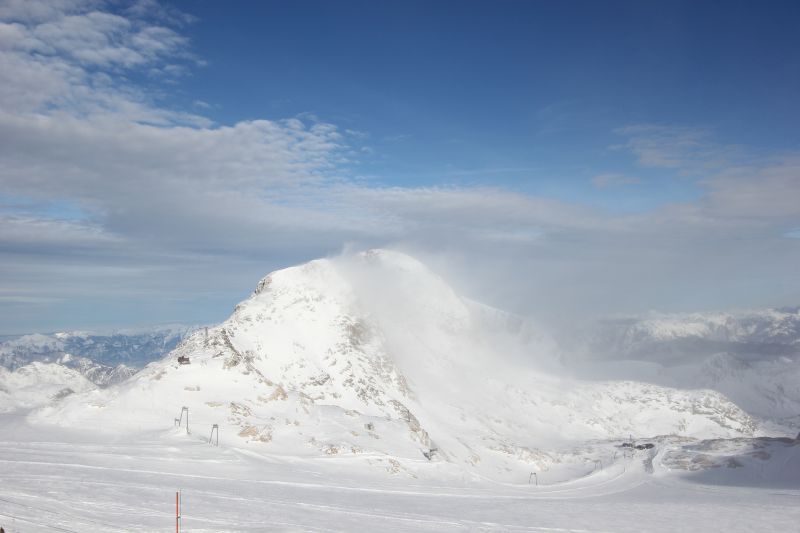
[[73, 484]]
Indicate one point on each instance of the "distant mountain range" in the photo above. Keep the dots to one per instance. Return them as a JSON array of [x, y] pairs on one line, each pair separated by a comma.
[[670, 338], [753, 357], [103, 358]]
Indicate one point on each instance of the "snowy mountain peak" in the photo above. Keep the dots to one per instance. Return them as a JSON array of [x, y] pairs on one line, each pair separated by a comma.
[[373, 352]]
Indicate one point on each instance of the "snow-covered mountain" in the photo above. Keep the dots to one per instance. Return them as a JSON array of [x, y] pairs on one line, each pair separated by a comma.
[[375, 354], [134, 348], [103, 358], [99, 374], [752, 357], [757, 334]]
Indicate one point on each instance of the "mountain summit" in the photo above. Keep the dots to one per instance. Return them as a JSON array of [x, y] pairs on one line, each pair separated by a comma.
[[374, 355]]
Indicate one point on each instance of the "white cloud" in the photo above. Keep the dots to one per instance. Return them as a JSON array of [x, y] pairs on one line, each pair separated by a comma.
[[34, 11], [770, 191], [36, 234], [689, 150], [176, 205]]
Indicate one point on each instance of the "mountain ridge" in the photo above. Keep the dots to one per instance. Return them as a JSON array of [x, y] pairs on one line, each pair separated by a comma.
[[103, 358]]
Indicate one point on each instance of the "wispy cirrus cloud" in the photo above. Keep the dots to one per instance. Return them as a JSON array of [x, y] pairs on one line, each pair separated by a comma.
[[740, 183], [689, 150]]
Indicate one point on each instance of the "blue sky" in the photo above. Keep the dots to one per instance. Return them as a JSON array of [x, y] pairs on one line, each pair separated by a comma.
[[523, 94], [562, 159]]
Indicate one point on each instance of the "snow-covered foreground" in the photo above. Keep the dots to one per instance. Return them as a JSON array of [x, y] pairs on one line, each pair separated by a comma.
[[84, 480], [363, 393]]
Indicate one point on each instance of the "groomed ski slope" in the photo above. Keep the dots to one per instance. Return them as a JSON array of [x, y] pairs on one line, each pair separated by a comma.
[[82, 480]]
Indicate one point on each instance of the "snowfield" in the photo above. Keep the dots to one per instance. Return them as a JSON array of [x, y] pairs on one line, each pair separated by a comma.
[[362, 392], [82, 480]]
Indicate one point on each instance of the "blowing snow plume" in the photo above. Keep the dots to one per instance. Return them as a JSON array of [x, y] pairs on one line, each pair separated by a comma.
[[373, 355]]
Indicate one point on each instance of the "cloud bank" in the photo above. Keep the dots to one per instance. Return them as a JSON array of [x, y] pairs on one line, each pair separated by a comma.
[[118, 207]]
